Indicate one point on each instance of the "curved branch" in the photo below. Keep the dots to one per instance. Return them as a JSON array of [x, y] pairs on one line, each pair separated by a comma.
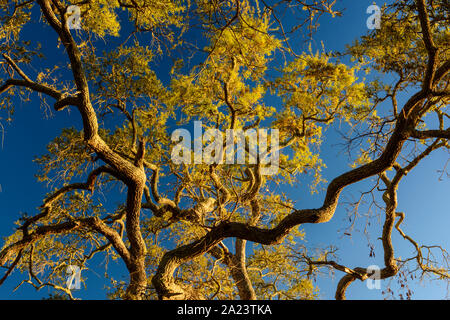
[[163, 279], [390, 198], [95, 223], [429, 44], [444, 134], [42, 231]]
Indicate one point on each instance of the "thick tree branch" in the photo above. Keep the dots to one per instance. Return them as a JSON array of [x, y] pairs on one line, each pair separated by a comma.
[[444, 134], [429, 44]]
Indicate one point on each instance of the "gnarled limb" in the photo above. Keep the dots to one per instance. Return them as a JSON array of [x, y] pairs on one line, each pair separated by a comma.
[[390, 199]]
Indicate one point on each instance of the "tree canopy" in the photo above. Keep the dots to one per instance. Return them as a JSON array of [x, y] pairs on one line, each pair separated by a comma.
[[183, 228]]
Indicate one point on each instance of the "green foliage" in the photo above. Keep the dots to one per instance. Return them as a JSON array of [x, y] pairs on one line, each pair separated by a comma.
[[234, 86], [67, 158], [13, 20]]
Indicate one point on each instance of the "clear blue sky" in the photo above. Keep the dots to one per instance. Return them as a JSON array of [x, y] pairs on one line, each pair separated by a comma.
[[421, 196]]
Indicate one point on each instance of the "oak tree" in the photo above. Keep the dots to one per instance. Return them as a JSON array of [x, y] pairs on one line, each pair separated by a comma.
[[183, 230]]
